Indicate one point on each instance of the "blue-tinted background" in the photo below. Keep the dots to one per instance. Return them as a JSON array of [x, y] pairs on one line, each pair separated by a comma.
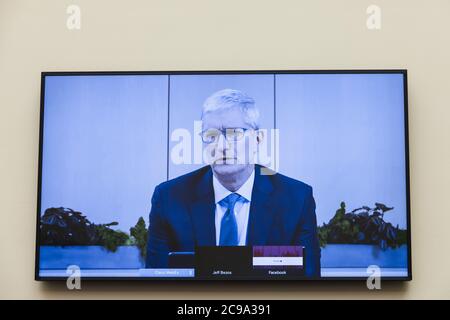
[[105, 145], [106, 138], [344, 135]]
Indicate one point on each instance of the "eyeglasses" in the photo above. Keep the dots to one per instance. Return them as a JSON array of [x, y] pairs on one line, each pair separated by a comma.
[[231, 134]]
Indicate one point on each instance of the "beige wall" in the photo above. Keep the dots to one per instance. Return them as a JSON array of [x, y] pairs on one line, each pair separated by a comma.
[[214, 35]]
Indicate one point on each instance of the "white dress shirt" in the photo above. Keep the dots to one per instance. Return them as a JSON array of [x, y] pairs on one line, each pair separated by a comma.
[[241, 208]]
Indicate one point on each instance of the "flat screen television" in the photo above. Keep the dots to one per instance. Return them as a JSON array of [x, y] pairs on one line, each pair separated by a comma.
[[224, 175]]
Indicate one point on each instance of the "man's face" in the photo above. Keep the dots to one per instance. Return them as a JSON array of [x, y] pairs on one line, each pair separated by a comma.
[[232, 155]]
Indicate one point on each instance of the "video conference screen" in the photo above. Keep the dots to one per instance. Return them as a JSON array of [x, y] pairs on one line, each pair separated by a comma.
[[285, 175]]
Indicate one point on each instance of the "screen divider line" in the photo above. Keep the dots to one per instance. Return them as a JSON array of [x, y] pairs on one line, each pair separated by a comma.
[[168, 126]]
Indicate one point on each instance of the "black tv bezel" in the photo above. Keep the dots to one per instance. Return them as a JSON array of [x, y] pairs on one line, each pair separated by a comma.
[[403, 72]]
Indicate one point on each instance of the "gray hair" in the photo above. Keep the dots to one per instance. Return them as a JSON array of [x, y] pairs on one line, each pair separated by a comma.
[[228, 98]]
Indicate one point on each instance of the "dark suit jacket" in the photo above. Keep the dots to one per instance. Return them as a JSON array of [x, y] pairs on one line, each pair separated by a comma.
[[282, 212]]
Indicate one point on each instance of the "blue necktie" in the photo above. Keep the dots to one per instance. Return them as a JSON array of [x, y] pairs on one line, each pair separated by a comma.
[[228, 225]]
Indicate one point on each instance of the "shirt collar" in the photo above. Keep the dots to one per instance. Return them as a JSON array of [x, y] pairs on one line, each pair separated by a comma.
[[220, 192]]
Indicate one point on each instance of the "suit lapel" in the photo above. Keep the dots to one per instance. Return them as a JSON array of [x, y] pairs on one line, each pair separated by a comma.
[[202, 211], [262, 211], [261, 217]]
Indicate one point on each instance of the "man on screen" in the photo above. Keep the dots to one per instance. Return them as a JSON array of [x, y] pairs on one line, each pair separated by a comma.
[[232, 201]]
